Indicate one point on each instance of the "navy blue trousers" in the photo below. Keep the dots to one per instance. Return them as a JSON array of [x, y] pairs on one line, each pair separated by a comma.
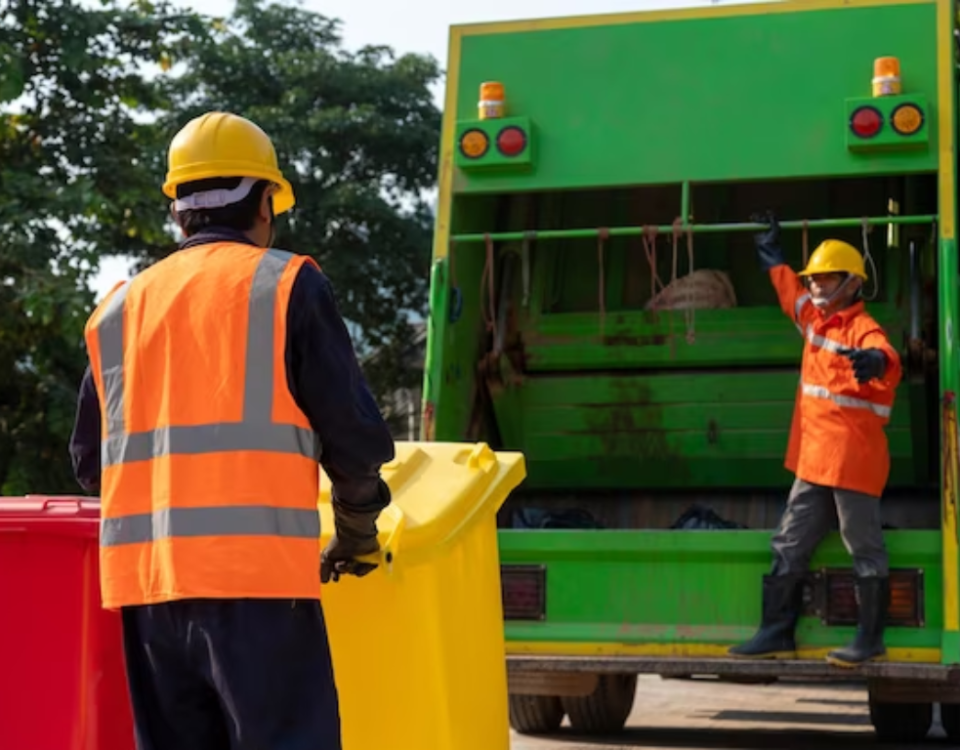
[[237, 674]]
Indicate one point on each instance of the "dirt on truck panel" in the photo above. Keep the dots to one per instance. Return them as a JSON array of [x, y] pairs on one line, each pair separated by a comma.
[[597, 304]]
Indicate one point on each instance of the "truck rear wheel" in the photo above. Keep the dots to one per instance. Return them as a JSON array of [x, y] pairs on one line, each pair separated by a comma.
[[606, 709], [901, 722], [535, 714]]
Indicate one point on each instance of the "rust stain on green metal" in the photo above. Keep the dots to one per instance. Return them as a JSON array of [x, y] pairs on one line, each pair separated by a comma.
[[630, 425]]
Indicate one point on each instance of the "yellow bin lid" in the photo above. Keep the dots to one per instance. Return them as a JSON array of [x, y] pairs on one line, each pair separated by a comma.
[[438, 490]]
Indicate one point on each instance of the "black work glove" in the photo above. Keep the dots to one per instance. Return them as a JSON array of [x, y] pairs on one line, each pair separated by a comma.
[[355, 536], [867, 363], [769, 251]]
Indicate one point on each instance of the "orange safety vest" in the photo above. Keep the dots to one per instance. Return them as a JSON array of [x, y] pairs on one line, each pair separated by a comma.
[[210, 472], [837, 437]]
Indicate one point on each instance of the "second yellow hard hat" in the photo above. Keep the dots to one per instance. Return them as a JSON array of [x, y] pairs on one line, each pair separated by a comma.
[[835, 256], [221, 144]]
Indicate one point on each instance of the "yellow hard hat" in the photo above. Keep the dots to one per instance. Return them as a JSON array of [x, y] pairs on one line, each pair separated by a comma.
[[221, 144], [835, 256]]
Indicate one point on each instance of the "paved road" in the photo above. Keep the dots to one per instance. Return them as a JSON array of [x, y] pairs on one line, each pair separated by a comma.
[[710, 715]]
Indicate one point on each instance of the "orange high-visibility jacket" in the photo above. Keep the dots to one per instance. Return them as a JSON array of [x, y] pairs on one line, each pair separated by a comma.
[[210, 473], [837, 437]]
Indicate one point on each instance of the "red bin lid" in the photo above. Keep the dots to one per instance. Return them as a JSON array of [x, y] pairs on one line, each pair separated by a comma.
[[62, 514]]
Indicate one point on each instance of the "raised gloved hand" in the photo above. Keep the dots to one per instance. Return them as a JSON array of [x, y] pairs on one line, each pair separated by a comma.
[[355, 537], [768, 243], [867, 363]]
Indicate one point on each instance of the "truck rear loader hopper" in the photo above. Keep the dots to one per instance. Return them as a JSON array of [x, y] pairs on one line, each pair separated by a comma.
[[596, 303]]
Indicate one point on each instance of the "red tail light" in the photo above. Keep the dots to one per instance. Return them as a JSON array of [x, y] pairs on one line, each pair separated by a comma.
[[511, 141], [866, 122], [906, 608]]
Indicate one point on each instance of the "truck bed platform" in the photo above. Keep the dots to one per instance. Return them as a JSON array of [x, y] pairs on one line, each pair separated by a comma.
[[688, 666]]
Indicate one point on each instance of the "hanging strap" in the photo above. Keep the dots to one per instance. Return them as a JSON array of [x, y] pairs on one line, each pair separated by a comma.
[[806, 242], [677, 229], [649, 237], [489, 313], [690, 313], [866, 229]]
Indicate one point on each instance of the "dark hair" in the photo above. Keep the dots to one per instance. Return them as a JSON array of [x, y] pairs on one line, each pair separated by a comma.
[[240, 215]]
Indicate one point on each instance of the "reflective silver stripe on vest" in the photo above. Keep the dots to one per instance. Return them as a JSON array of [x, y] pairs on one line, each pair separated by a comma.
[[208, 438], [254, 432], [110, 333], [816, 339], [230, 520], [829, 344], [798, 305], [819, 391]]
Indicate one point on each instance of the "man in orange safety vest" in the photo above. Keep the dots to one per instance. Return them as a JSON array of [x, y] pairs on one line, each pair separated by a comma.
[[219, 378], [837, 449]]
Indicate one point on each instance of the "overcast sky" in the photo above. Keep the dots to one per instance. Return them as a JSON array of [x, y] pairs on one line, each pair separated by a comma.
[[420, 26]]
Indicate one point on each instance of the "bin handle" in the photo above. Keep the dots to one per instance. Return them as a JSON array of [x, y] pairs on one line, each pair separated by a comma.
[[388, 551]]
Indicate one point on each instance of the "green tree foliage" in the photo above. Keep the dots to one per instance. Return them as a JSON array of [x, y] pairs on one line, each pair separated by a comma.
[[357, 135], [90, 96], [72, 188]]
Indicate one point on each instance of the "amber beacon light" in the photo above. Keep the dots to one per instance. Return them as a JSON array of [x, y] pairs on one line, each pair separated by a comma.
[[492, 104], [886, 76]]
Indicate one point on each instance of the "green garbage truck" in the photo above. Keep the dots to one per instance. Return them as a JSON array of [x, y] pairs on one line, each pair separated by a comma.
[[596, 303]]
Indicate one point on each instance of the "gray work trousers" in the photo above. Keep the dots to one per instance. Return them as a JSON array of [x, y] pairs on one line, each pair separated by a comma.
[[809, 516]]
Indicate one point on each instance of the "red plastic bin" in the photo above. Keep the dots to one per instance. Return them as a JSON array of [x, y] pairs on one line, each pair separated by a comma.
[[62, 682]]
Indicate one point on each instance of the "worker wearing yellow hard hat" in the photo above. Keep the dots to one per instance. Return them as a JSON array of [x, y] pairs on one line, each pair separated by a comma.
[[218, 145], [837, 450], [220, 377], [835, 256]]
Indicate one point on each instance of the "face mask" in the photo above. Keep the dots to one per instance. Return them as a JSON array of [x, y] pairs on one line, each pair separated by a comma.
[[822, 302]]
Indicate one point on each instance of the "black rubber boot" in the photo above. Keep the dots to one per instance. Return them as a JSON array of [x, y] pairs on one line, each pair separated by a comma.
[[873, 597], [782, 602]]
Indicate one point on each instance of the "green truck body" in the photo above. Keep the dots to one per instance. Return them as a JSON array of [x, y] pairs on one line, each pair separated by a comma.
[[632, 151]]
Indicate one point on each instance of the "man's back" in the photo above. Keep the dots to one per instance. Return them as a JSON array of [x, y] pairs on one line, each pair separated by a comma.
[[201, 322], [200, 424]]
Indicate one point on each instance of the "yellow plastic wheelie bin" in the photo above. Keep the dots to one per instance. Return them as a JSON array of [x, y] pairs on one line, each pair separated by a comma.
[[418, 644]]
